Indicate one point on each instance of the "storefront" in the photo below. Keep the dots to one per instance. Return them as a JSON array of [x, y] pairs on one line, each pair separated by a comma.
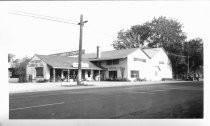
[[127, 64], [57, 68]]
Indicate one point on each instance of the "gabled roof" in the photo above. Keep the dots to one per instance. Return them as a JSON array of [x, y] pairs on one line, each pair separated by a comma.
[[151, 52], [108, 55], [65, 62]]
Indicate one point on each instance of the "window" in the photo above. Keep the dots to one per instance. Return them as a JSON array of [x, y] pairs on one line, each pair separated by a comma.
[[112, 74], [113, 62], [89, 73], [134, 74], [139, 59], [161, 62], [39, 71], [109, 62]]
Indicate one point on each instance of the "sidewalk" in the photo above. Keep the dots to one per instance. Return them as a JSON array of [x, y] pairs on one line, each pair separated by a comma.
[[35, 87]]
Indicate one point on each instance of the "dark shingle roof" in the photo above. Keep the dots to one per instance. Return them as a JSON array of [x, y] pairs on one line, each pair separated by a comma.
[[114, 54], [65, 62]]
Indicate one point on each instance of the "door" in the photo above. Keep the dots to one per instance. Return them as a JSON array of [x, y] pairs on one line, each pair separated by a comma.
[[113, 75]]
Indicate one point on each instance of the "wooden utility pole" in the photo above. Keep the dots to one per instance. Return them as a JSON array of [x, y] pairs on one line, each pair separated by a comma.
[[79, 74], [188, 63]]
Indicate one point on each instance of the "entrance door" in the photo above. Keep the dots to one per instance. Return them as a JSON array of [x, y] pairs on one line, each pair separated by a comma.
[[83, 74], [112, 75]]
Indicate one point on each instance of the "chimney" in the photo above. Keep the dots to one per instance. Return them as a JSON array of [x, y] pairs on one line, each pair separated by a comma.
[[98, 52]]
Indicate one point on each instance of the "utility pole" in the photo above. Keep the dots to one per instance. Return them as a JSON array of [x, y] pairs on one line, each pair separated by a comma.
[[188, 64], [79, 74]]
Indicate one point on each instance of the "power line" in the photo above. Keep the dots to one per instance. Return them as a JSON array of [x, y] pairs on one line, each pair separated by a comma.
[[22, 13], [176, 55], [49, 18], [45, 16]]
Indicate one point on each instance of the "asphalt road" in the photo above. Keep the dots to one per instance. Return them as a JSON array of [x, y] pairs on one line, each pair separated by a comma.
[[174, 100]]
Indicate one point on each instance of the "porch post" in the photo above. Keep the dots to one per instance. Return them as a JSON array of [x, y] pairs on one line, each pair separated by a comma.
[[53, 74], [91, 75], [62, 74], [74, 75], [99, 79], [68, 75]]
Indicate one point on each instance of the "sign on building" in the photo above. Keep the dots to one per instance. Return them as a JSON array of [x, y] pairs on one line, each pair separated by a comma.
[[71, 53], [35, 63], [84, 65]]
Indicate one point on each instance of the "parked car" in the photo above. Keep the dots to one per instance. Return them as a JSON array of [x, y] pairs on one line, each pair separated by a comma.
[[189, 77], [192, 77], [196, 76]]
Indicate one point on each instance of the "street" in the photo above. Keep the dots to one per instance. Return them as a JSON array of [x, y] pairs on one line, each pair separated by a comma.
[[155, 101]]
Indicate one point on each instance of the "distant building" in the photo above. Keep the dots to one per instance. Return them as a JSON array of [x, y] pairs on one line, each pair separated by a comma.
[[12, 76], [131, 64]]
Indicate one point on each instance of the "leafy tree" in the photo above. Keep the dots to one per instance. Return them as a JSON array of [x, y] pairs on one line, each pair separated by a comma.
[[179, 65], [20, 68], [10, 57], [167, 33], [132, 38], [160, 32], [194, 48]]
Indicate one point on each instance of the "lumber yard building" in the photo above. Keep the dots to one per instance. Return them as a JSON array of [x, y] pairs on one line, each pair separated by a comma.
[[126, 64]]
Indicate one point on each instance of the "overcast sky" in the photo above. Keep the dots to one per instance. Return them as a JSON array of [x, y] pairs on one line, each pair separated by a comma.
[[26, 36]]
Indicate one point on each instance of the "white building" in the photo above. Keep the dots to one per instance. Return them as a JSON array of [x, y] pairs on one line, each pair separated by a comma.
[[130, 64]]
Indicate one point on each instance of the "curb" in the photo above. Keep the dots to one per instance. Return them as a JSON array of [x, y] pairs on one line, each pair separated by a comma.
[[75, 87]]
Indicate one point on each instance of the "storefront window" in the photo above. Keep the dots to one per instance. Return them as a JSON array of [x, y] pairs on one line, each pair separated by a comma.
[[116, 61], [39, 71], [134, 74], [112, 74], [113, 62], [89, 73], [109, 62]]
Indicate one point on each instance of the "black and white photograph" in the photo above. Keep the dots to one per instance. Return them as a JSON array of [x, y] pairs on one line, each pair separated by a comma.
[[97, 62]]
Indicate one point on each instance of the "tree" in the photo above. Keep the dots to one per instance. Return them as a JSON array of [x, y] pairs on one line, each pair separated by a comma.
[[20, 68], [194, 48], [132, 38], [10, 57], [160, 32], [166, 33]]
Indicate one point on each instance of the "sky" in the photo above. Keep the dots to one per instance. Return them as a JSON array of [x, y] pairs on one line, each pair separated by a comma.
[[26, 36]]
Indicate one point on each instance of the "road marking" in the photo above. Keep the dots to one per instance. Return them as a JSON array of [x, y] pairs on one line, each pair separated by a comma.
[[141, 92], [46, 95], [36, 106], [36, 96], [158, 90]]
